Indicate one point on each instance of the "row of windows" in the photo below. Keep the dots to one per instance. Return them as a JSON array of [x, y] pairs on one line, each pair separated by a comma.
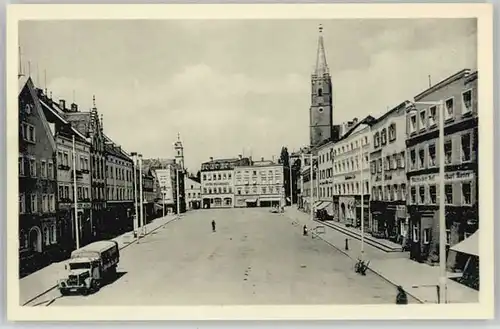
[[339, 150], [391, 162], [223, 176], [429, 194], [262, 172], [427, 154], [218, 190], [262, 190], [428, 118], [122, 174], [63, 158], [194, 195], [261, 181], [67, 192], [44, 203], [393, 192], [120, 193], [349, 165], [380, 138], [49, 237], [426, 235], [45, 170], [28, 132]]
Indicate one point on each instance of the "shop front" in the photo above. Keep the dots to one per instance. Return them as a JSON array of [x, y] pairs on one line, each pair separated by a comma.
[[347, 210], [269, 201]]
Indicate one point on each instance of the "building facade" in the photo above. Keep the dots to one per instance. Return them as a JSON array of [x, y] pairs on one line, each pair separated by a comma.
[[38, 230], [90, 126], [119, 190], [63, 134], [193, 192], [351, 174], [217, 181], [459, 94], [259, 185], [166, 171], [388, 176]]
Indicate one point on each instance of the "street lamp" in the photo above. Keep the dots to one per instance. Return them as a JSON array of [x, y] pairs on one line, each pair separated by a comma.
[[140, 195], [177, 188], [442, 216], [290, 169], [136, 218]]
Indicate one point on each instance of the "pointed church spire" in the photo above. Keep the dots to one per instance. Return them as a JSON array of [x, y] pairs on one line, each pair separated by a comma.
[[321, 65]]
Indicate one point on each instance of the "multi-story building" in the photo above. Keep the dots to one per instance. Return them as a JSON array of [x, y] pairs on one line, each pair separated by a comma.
[[259, 185], [38, 230], [309, 187], [149, 197], [166, 172], [351, 173], [63, 134], [217, 181], [388, 176], [119, 189], [459, 94], [90, 126], [193, 192]]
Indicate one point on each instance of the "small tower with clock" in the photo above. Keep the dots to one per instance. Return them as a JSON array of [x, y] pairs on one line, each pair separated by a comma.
[[179, 152], [321, 110]]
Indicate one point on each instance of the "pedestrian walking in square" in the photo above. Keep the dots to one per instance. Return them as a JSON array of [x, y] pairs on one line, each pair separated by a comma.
[[213, 225]]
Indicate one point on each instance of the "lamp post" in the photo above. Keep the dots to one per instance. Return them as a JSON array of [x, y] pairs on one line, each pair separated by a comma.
[[75, 196], [442, 216], [302, 182], [177, 188], [140, 194], [362, 200], [136, 213], [291, 186], [163, 194]]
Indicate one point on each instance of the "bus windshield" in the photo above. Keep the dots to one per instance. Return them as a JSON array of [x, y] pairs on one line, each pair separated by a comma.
[[77, 266]]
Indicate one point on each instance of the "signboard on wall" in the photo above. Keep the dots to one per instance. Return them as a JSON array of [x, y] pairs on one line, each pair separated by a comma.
[[449, 176]]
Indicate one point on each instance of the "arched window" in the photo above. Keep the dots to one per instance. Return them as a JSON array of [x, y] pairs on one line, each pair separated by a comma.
[[53, 233], [46, 236], [320, 92]]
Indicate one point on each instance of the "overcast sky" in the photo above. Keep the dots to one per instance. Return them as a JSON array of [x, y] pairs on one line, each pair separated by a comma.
[[230, 87]]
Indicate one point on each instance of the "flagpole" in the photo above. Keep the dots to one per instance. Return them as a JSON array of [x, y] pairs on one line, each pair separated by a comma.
[[77, 224]]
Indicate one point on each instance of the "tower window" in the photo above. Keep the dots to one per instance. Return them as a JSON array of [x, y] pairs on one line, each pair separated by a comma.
[[320, 92], [320, 110]]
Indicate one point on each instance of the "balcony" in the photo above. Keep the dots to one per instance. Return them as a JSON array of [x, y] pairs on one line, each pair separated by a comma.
[[63, 167]]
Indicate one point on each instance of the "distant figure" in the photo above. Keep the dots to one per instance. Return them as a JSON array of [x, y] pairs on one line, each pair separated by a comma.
[[401, 298], [213, 225], [304, 230]]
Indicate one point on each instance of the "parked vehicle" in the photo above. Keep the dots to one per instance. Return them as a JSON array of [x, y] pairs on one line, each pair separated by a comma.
[[89, 266]]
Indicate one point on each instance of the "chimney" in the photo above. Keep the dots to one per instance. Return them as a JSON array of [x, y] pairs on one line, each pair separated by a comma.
[[211, 158], [240, 156], [262, 159], [273, 158], [74, 107], [354, 121], [62, 104]]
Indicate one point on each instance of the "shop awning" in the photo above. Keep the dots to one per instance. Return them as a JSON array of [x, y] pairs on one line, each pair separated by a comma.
[[468, 246], [322, 205], [317, 204], [276, 199], [251, 200], [329, 209]]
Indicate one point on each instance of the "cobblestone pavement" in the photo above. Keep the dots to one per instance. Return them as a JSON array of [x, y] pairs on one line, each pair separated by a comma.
[[254, 257]]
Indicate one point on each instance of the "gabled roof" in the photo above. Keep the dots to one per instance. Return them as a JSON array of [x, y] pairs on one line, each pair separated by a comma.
[[59, 116], [28, 83], [113, 149]]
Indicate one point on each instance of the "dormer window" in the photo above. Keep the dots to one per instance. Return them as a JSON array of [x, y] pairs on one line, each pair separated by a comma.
[[27, 108], [320, 92]]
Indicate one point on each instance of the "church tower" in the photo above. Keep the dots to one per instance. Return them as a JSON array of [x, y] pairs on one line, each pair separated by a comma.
[[179, 152], [321, 111]]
